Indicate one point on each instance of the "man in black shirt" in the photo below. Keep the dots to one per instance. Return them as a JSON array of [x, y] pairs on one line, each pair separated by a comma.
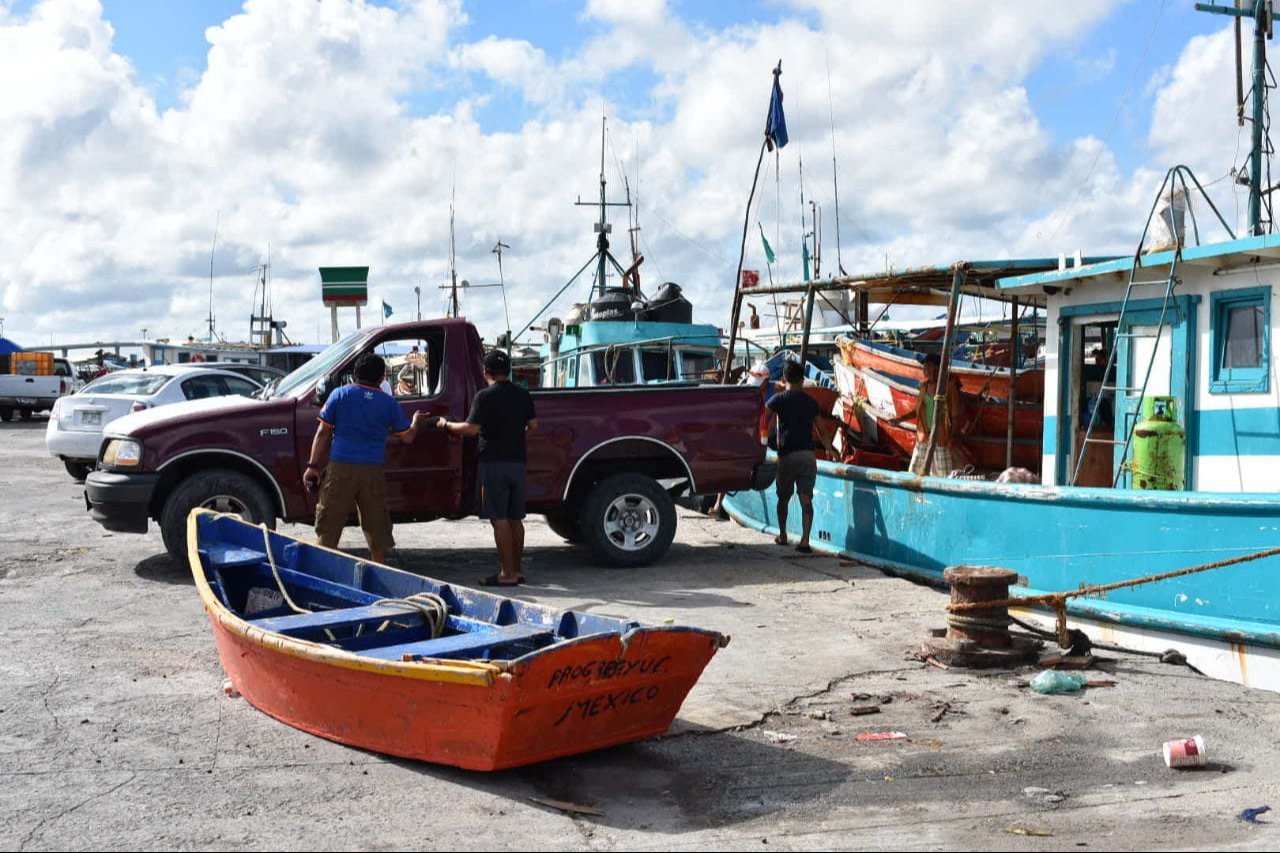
[[501, 415], [797, 464]]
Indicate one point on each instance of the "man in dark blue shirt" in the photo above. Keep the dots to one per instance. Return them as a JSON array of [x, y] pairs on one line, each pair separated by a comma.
[[354, 425], [795, 413], [502, 415]]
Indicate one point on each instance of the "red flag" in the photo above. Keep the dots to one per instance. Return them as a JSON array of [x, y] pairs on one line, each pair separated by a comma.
[[750, 279]]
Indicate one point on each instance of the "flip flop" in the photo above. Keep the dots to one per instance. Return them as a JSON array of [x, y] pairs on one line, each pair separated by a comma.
[[804, 549], [496, 580]]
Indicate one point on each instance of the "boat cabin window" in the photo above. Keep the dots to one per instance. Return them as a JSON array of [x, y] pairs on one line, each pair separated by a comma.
[[656, 365], [614, 367], [697, 365], [1241, 341]]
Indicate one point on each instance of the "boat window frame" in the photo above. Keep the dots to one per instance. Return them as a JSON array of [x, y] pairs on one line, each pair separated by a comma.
[[1238, 380]]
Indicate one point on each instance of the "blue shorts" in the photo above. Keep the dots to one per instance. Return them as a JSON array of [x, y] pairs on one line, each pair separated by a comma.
[[501, 490]]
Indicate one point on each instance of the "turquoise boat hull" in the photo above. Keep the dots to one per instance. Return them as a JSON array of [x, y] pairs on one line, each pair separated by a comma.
[[1058, 538]]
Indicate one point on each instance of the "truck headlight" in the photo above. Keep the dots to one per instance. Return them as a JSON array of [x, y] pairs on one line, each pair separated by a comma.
[[122, 453]]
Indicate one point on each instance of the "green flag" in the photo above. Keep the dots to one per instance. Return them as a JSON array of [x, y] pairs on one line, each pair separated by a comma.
[[768, 250]]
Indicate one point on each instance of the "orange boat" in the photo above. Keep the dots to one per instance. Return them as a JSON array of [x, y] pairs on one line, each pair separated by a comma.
[[390, 661]]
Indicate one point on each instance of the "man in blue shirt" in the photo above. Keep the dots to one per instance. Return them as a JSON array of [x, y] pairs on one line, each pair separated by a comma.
[[354, 425], [797, 463]]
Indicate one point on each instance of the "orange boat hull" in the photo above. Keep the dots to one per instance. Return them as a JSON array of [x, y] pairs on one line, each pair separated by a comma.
[[592, 693]]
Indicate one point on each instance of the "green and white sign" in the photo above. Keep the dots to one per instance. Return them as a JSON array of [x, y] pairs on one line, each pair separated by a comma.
[[344, 286]]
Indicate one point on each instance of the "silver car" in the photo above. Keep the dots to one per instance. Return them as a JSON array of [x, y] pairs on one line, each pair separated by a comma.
[[74, 434]]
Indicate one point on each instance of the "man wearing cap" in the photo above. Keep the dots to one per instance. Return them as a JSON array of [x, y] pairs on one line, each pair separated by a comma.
[[502, 415], [349, 450]]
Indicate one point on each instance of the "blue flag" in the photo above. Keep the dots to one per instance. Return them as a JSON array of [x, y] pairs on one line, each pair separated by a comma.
[[775, 129], [386, 310]]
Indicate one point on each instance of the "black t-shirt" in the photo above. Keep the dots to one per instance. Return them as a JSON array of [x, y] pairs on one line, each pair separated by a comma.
[[796, 413], [501, 411]]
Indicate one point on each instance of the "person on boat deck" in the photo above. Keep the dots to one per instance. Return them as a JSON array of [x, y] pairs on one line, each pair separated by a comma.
[[795, 412], [947, 455], [405, 384], [502, 415], [349, 450]]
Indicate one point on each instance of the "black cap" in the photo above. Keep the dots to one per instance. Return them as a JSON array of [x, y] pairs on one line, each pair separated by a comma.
[[497, 363]]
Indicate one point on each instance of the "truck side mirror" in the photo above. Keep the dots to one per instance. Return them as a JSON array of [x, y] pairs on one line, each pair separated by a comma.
[[322, 391]]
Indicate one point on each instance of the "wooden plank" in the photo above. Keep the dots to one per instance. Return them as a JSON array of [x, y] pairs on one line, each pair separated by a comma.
[[458, 644]]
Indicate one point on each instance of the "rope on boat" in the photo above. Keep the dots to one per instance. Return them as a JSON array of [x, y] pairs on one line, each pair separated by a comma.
[[275, 572], [434, 610], [1057, 601]]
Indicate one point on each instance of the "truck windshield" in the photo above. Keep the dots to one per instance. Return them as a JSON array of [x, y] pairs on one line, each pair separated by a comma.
[[319, 366]]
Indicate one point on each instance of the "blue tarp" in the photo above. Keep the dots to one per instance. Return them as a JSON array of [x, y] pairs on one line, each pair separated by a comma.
[[7, 346]]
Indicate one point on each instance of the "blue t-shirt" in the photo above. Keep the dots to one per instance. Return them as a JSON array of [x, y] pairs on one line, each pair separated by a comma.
[[796, 413], [361, 418]]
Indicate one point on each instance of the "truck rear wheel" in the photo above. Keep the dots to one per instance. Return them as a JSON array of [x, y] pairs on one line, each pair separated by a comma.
[[77, 470], [6, 414], [565, 526], [221, 490], [26, 414], [628, 520]]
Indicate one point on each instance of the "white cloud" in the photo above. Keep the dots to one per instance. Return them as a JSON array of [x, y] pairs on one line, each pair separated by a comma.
[[298, 133]]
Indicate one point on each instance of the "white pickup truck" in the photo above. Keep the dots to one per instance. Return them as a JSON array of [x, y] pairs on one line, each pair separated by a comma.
[[26, 395]]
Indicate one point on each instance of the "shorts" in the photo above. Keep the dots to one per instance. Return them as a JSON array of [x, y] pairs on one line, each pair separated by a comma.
[[501, 490], [797, 471], [349, 485]]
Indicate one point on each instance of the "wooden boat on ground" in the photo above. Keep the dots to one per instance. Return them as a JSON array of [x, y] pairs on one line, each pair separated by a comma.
[[390, 661]]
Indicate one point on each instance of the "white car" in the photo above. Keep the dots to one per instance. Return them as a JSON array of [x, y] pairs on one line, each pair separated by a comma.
[[74, 434]]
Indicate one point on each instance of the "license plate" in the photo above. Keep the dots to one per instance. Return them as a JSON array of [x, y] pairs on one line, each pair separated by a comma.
[[91, 418]]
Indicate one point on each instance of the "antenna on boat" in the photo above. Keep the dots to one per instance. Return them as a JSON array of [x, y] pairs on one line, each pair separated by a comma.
[[1261, 12], [604, 258], [216, 222], [502, 283], [261, 324], [452, 310]]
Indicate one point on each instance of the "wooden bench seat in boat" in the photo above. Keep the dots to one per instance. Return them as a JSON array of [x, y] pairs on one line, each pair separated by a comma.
[[464, 645]]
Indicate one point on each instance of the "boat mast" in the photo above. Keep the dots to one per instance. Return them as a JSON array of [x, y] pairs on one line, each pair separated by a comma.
[[604, 258], [1261, 12]]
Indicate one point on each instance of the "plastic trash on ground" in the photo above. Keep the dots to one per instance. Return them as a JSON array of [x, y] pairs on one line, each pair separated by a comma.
[[1052, 682]]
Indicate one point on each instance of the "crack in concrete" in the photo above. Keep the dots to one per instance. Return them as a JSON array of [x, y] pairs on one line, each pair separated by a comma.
[[52, 818]]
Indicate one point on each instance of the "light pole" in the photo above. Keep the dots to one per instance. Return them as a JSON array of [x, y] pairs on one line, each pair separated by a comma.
[[417, 294]]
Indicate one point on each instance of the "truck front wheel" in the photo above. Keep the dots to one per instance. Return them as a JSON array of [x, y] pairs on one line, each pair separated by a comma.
[[628, 520], [6, 414], [220, 490]]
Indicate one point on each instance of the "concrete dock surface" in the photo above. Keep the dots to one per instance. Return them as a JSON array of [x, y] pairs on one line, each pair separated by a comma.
[[115, 733]]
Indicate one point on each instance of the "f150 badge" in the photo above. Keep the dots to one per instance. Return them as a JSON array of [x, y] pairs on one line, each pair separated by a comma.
[[274, 431]]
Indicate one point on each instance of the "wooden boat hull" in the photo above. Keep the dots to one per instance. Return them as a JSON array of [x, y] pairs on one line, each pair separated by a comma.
[[974, 379], [1225, 621], [582, 694]]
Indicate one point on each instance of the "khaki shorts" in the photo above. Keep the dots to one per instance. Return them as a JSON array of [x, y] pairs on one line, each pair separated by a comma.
[[362, 487], [797, 471]]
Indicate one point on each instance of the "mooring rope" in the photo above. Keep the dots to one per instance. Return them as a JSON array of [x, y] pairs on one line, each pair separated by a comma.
[[434, 610], [1057, 601]]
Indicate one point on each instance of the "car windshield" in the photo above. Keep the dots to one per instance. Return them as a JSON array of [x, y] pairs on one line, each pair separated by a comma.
[[319, 366], [139, 384]]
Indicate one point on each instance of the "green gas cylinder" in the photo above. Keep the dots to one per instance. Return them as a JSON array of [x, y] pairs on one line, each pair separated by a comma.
[[1159, 447]]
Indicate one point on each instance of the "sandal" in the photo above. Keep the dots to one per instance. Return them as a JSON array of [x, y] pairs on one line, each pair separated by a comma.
[[496, 580], [804, 549]]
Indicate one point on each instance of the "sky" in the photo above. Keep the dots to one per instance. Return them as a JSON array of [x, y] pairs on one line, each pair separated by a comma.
[[311, 133]]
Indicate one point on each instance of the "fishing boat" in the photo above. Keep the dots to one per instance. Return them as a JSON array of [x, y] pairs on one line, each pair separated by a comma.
[[901, 364], [390, 661], [1078, 529]]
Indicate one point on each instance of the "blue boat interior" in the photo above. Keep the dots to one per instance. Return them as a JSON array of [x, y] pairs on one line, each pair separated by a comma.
[[343, 593]]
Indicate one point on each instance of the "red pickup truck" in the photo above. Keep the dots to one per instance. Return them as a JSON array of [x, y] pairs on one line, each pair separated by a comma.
[[604, 465]]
